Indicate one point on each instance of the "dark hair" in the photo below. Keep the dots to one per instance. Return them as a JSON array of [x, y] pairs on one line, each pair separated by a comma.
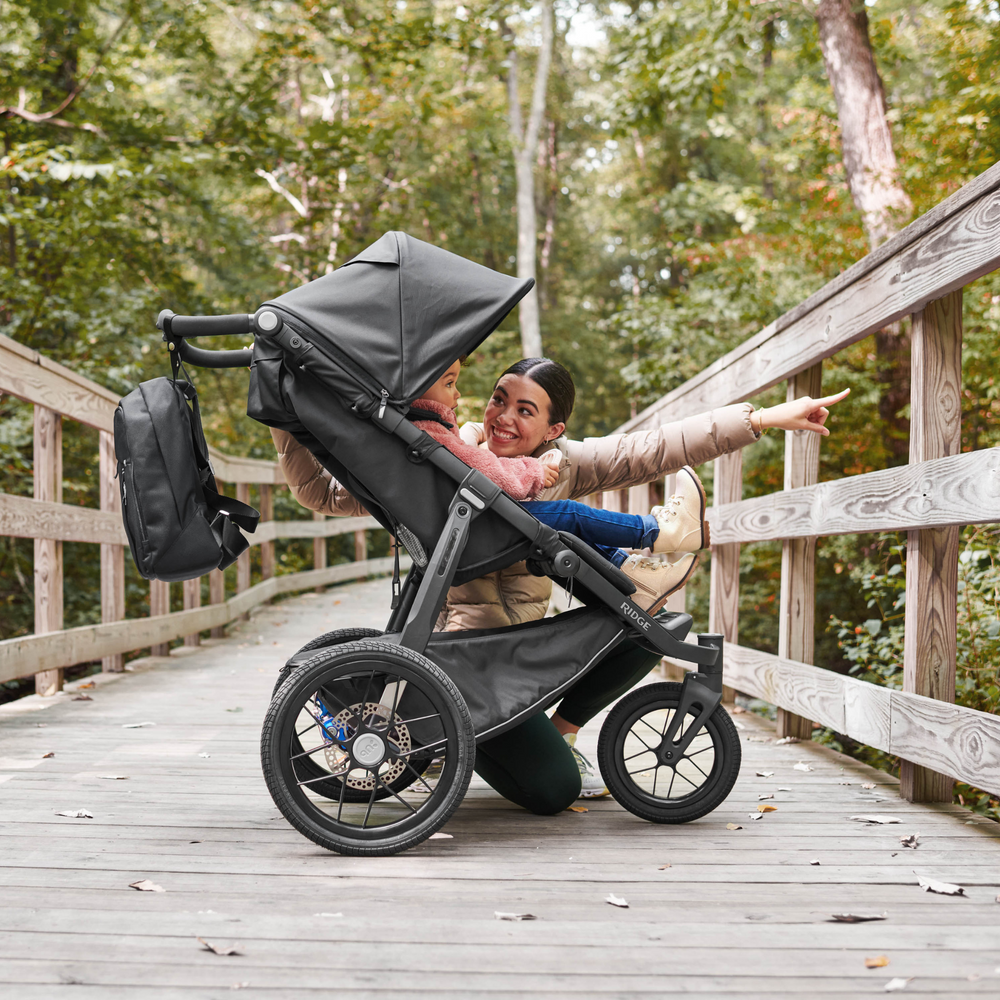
[[554, 379]]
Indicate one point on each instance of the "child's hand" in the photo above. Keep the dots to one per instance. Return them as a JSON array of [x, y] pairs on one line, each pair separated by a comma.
[[803, 414], [550, 476]]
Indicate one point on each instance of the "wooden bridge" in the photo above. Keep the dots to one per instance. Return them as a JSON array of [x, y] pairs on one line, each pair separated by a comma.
[[712, 909]]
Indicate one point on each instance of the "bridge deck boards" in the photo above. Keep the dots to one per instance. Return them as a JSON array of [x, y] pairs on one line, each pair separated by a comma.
[[739, 912]]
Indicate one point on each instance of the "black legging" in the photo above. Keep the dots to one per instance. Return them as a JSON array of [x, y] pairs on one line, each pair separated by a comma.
[[531, 764]]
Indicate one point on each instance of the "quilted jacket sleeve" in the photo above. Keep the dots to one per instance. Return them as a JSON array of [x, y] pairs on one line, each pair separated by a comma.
[[311, 484]]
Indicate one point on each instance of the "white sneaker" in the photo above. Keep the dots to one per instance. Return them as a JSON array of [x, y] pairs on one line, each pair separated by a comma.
[[682, 518], [592, 783], [655, 580]]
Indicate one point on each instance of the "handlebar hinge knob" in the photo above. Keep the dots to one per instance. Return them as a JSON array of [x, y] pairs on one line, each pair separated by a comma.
[[267, 321]]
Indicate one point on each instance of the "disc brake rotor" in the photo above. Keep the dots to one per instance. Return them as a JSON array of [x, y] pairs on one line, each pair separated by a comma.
[[389, 770]]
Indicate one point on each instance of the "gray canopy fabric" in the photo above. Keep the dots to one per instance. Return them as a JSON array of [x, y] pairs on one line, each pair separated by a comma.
[[404, 310]]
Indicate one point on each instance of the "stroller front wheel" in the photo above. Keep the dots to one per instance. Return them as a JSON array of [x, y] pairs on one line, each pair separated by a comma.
[[637, 772]]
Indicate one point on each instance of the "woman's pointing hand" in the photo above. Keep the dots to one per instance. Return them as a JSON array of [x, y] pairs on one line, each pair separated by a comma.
[[802, 414]]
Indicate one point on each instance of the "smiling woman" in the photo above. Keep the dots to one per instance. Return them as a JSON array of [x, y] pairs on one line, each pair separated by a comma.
[[531, 403]]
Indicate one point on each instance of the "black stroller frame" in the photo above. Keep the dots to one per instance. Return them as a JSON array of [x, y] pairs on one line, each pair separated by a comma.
[[426, 697]]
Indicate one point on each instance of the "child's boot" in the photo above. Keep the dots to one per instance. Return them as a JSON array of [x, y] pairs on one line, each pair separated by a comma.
[[682, 518], [655, 581]]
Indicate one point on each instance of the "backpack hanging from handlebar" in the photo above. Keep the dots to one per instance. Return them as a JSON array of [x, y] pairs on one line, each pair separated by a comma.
[[178, 525]]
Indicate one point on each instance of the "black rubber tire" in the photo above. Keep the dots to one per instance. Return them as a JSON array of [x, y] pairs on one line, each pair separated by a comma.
[[426, 815], [712, 792]]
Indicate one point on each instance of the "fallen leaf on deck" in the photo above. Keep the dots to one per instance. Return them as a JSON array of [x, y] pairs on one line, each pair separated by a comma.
[[868, 784], [89, 684], [765, 774], [514, 916], [616, 901], [762, 797], [577, 809], [814, 862], [663, 868], [857, 918], [144, 885], [221, 949], [911, 840], [113, 777], [441, 836], [82, 697], [137, 725], [767, 809], [51, 753], [895, 985], [237, 709], [787, 739], [943, 888], [801, 766], [755, 815], [736, 826], [76, 814], [784, 789], [205, 755], [877, 819], [878, 962]]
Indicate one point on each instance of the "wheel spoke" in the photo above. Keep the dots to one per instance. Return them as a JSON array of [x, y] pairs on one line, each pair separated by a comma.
[[419, 777], [323, 777], [307, 753], [299, 736], [436, 746], [625, 760], [340, 801], [422, 718], [700, 771], [671, 788], [702, 750], [632, 732], [687, 779], [666, 724], [379, 780], [371, 800], [648, 726]]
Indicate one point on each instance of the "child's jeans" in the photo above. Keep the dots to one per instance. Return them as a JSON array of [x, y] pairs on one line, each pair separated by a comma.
[[605, 530]]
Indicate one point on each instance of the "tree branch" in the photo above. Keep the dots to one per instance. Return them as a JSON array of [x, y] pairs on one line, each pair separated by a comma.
[[272, 183]]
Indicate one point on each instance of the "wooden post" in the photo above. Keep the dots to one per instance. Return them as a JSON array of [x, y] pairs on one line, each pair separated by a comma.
[[929, 649], [638, 499], [217, 587], [797, 607], [159, 604], [319, 549], [112, 556], [724, 586], [266, 514], [360, 546], [192, 599], [48, 552], [243, 562]]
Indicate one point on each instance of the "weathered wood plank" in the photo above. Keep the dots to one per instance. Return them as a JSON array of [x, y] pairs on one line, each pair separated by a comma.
[[951, 739], [36, 379], [957, 248], [724, 582], [243, 561], [159, 605], [24, 517], [48, 568], [328, 527], [797, 605], [113, 555], [930, 647], [31, 654], [960, 489], [192, 600], [267, 517], [236, 469]]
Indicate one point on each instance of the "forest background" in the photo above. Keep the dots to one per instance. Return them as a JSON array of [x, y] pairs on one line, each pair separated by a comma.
[[689, 187]]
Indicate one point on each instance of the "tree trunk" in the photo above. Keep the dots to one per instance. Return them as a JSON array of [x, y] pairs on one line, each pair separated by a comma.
[[524, 139], [873, 177], [869, 158]]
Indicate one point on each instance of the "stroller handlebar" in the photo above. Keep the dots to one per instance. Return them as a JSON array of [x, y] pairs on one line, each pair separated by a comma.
[[238, 324], [177, 328]]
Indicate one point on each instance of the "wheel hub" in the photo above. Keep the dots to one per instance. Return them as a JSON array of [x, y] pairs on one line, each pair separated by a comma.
[[368, 750]]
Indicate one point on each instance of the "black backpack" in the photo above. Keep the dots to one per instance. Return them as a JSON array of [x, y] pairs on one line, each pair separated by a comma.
[[178, 525]]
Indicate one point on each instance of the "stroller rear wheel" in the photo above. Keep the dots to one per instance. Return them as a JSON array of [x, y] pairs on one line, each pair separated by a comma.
[[336, 638], [364, 717], [635, 768]]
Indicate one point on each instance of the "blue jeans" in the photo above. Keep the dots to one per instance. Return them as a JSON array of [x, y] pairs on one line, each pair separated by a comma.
[[605, 530]]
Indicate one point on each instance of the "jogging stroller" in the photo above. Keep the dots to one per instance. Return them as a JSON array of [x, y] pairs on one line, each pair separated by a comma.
[[358, 717]]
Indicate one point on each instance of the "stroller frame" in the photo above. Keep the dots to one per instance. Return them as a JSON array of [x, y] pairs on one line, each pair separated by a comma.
[[409, 665]]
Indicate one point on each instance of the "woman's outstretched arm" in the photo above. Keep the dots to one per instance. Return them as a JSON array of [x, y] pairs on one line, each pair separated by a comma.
[[802, 414]]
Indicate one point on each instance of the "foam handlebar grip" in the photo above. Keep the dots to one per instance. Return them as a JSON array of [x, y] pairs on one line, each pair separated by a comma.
[[238, 324]]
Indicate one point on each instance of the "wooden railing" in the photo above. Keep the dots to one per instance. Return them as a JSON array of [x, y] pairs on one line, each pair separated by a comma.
[[58, 393], [921, 273]]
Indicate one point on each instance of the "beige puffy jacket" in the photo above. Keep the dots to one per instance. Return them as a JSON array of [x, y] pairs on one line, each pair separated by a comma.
[[512, 595]]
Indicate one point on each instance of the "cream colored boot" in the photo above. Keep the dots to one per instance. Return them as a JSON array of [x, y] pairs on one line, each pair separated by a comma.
[[682, 518], [655, 580]]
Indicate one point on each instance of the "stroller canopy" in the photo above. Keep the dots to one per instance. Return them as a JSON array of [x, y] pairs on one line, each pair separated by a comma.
[[404, 310]]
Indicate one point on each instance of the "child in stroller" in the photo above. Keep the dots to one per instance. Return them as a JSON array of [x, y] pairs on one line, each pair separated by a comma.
[[676, 528]]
